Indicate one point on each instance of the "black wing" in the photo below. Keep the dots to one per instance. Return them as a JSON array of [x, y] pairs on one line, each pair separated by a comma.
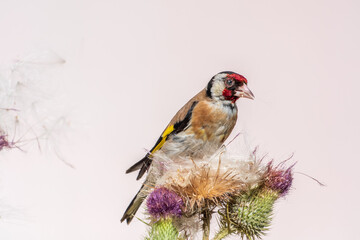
[[144, 164]]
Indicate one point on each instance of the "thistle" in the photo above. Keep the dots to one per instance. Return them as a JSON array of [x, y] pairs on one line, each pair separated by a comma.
[[204, 183], [279, 178], [163, 206], [243, 189], [248, 214], [163, 203]]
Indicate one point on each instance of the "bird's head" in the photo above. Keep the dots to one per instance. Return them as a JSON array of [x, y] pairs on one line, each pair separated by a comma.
[[228, 86]]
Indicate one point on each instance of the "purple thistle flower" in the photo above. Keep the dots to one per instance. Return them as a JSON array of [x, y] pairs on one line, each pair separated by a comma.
[[163, 203], [278, 178]]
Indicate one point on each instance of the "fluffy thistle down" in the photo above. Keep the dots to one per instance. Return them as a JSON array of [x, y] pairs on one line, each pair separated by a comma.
[[243, 189], [30, 101], [188, 226], [212, 179], [31, 106]]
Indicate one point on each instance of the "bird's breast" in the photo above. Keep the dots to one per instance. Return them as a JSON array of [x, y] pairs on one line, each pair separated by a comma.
[[213, 121], [210, 125]]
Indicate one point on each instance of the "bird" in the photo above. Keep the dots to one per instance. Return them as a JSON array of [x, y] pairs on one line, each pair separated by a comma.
[[203, 123]]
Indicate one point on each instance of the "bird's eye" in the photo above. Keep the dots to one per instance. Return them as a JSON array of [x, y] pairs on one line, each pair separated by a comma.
[[229, 82]]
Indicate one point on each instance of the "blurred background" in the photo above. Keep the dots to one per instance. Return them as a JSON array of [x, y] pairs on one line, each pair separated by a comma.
[[130, 65]]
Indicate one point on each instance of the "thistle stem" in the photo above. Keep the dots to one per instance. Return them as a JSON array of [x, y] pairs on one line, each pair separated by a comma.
[[206, 217]]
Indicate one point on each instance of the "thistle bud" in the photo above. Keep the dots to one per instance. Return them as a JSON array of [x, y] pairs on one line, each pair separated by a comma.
[[248, 215], [278, 178]]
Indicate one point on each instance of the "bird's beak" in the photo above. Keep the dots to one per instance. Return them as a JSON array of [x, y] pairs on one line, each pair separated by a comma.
[[244, 92]]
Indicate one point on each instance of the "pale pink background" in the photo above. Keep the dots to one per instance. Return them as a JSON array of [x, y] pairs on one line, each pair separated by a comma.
[[132, 64]]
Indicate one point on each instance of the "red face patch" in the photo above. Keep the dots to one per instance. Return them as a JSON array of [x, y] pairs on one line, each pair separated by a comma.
[[237, 77], [228, 94]]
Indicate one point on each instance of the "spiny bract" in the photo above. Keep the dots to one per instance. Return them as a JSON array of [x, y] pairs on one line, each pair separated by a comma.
[[248, 215]]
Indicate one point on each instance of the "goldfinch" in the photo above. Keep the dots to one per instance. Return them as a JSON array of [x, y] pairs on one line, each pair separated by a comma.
[[200, 126]]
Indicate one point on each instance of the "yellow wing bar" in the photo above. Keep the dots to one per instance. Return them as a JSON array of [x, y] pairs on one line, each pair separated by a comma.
[[167, 131]]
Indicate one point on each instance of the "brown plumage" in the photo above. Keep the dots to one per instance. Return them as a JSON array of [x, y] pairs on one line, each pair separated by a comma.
[[181, 114], [206, 120], [199, 128]]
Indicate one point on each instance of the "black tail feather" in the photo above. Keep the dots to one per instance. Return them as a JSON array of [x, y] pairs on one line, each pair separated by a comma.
[[133, 207], [136, 166], [143, 165]]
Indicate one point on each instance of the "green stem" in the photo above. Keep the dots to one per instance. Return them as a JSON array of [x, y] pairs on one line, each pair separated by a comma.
[[222, 234], [206, 217]]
